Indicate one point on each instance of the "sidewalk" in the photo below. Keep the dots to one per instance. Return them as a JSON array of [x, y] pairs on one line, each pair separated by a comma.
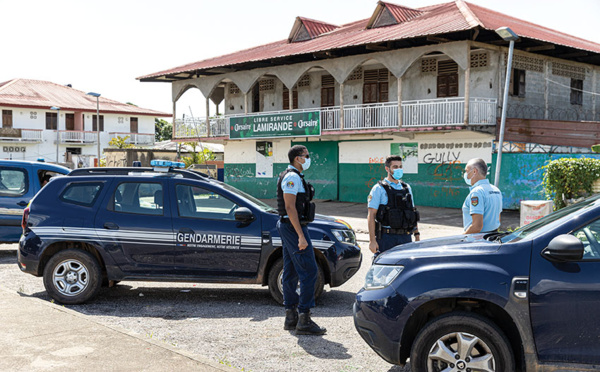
[[36, 335]]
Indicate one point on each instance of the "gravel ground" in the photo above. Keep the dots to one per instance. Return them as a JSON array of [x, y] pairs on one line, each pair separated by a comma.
[[236, 325]]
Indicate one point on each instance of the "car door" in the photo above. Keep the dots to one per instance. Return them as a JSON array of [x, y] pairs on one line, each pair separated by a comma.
[[16, 190], [565, 303], [134, 224], [210, 242]]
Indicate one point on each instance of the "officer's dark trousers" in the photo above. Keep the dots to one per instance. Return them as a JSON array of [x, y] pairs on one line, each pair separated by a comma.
[[388, 241], [297, 265]]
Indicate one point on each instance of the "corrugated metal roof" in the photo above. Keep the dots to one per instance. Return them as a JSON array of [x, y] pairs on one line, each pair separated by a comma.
[[316, 28], [402, 13], [45, 94], [435, 19]]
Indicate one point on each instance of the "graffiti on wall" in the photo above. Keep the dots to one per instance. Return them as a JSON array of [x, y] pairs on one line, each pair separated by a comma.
[[453, 152]]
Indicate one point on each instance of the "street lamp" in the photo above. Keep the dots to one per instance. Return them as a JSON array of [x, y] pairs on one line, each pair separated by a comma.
[[508, 35], [57, 139], [97, 95]]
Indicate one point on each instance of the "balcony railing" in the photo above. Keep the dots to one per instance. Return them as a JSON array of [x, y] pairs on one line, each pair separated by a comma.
[[75, 136], [138, 139], [418, 113], [20, 135]]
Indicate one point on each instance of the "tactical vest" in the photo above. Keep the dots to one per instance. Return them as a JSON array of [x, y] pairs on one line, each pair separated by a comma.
[[399, 212], [304, 206]]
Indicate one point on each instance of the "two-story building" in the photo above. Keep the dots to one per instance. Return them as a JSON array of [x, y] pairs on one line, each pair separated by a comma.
[[424, 83], [31, 129]]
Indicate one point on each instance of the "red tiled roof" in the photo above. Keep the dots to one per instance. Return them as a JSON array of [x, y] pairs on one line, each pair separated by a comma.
[[436, 19], [45, 94], [316, 28], [402, 13]]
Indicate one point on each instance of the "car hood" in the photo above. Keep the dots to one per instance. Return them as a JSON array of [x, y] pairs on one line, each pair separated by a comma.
[[459, 245]]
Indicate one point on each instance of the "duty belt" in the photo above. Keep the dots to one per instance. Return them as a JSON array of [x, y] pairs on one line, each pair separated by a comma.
[[287, 220], [388, 230]]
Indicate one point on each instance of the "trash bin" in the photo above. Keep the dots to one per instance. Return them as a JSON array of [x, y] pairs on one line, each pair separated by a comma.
[[532, 210]]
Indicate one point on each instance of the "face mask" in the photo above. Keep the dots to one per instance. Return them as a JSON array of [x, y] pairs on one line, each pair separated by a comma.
[[466, 177], [306, 164], [398, 173]]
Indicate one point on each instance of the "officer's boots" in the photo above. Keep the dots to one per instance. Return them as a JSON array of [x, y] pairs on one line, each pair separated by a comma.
[[307, 327], [291, 319]]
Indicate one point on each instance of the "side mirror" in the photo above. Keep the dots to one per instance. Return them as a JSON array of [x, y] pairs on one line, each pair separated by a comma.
[[564, 248], [243, 214]]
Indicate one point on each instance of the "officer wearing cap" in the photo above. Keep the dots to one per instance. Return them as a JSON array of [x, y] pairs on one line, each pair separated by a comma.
[[482, 207], [392, 216], [296, 210]]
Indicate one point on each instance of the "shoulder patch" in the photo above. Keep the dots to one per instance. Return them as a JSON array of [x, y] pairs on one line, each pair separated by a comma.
[[370, 198], [289, 184], [474, 201]]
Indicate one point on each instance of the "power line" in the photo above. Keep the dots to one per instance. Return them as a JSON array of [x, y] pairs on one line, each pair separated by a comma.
[[575, 89]]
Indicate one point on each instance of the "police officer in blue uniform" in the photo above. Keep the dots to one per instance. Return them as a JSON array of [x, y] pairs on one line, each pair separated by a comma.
[[296, 210], [482, 207], [392, 217]]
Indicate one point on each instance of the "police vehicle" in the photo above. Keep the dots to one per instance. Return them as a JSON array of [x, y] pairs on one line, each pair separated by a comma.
[[20, 180], [103, 225], [526, 300]]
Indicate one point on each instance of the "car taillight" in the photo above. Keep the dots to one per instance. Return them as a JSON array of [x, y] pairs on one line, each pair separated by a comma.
[[25, 219]]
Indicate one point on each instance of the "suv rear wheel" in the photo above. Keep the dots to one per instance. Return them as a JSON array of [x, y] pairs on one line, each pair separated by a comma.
[[72, 276], [461, 341], [276, 282]]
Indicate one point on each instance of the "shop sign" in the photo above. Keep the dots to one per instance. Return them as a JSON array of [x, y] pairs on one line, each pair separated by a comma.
[[293, 124]]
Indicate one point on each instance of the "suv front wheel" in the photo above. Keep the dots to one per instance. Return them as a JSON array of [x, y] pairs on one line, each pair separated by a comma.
[[276, 282], [461, 341], [72, 276]]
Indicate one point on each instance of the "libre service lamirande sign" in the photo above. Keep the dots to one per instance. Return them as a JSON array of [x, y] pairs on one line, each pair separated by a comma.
[[293, 124]]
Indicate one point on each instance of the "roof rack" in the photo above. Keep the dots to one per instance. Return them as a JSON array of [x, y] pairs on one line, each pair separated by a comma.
[[124, 171]]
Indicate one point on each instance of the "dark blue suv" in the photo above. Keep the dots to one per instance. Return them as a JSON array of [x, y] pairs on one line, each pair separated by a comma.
[[526, 301], [164, 224]]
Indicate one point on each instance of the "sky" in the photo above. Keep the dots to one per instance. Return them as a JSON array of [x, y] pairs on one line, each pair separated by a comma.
[[102, 46]]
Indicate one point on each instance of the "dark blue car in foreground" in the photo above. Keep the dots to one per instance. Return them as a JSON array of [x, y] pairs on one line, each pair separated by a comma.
[[164, 224], [522, 301]]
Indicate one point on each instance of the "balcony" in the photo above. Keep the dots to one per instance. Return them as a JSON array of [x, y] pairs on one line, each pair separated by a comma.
[[137, 139], [80, 137], [415, 114], [20, 135]]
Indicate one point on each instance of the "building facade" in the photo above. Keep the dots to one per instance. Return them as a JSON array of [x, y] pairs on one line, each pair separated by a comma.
[[424, 83], [31, 129]]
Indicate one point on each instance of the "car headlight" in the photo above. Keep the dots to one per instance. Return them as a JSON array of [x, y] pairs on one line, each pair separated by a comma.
[[345, 236], [380, 276]]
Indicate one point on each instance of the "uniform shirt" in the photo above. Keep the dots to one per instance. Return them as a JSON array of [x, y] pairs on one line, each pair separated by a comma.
[[484, 199], [378, 195], [292, 183]]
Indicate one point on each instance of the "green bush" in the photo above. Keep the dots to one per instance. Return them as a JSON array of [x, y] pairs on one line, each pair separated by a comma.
[[570, 178]]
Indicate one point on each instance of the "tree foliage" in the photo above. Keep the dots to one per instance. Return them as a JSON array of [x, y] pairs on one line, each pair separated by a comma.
[[163, 130], [121, 142], [198, 155], [570, 178]]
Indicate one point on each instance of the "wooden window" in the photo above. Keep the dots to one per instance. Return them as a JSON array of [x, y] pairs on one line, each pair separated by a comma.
[[286, 98], [375, 85], [327, 91], [133, 125], [95, 123], [70, 121], [447, 80], [517, 83], [576, 92], [51, 120], [7, 121]]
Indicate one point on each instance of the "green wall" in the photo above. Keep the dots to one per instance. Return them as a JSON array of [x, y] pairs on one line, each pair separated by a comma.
[[242, 176]]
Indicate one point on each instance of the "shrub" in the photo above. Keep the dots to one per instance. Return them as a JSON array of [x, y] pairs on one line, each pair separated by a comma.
[[570, 178]]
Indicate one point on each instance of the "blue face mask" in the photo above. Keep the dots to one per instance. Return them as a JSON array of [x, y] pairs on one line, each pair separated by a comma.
[[398, 173]]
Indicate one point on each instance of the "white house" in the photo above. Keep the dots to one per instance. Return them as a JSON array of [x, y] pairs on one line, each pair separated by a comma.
[[28, 126]]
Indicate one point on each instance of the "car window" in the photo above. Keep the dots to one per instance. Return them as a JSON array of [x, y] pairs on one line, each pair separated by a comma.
[[45, 175], [197, 202], [139, 198], [13, 182], [82, 193], [590, 237]]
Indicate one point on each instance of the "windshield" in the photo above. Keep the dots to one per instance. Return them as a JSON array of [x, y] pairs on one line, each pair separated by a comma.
[[257, 203], [550, 221]]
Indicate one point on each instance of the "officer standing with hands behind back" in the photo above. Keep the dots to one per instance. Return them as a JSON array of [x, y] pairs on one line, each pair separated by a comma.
[[296, 210], [392, 216]]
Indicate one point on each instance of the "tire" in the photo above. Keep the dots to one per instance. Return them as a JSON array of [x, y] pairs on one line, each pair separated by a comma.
[[72, 276], [276, 273], [483, 340]]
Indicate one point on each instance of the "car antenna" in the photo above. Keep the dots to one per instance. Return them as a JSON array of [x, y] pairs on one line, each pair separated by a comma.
[[200, 142]]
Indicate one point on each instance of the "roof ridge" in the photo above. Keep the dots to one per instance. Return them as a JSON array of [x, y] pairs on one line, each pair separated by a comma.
[[317, 21], [8, 83], [469, 15]]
